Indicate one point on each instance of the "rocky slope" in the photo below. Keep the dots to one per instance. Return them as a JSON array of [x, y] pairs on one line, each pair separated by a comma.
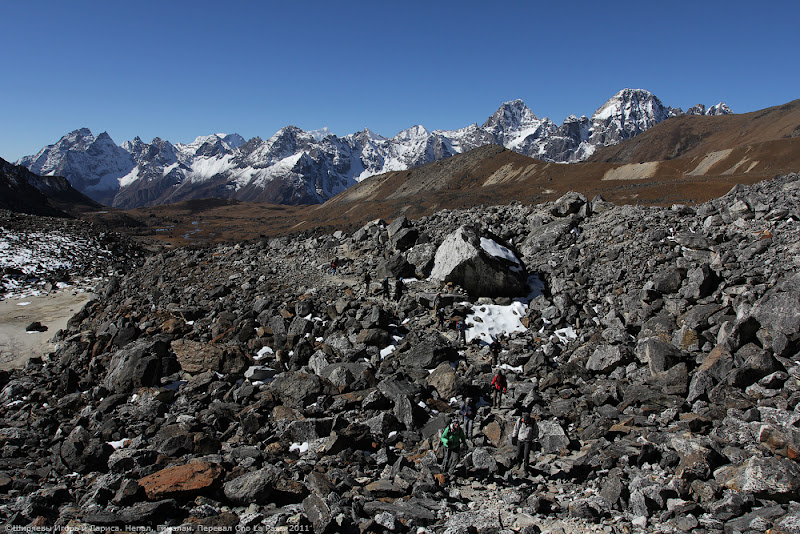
[[297, 167], [248, 387], [39, 254], [22, 191]]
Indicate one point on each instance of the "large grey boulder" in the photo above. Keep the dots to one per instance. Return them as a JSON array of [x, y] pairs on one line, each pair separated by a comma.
[[421, 257], [483, 265], [253, 487], [552, 437], [769, 476], [445, 381], [779, 310], [429, 352], [137, 365]]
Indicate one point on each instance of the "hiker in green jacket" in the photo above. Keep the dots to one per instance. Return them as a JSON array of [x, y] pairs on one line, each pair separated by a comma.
[[453, 439]]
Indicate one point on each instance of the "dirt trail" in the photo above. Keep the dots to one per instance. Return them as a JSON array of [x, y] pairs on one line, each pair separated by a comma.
[[53, 311]]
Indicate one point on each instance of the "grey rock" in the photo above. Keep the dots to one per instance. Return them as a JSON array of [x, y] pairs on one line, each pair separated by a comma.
[[605, 358], [253, 487], [462, 259], [770, 476], [136, 365], [552, 437]]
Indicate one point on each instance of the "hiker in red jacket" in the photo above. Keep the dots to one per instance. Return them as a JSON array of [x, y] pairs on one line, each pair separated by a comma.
[[499, 386]]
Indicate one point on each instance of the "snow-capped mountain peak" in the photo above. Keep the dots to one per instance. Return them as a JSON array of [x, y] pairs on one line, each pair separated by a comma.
[[294, 166], [720, 109], [511, 116], [415, 132], [320, 133], [625, 115]]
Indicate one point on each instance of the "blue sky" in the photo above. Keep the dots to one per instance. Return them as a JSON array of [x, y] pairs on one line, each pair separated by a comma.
[[179, 69]]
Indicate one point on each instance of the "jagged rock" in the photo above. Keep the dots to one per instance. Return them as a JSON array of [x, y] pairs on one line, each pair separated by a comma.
[[421, 257], [318, 512], [253, 487], [569, 204], [778, 310], [483, 462], [658, 356], [173, 441], [605, 358], [309, 429], [130, 460], [445, 381], [551, 436], [669, 281], [81, 453], [196, 357], [479, 520], [136, 365], [481, 264], [297, 389], [404, 239], [396, 266], [773, 477]]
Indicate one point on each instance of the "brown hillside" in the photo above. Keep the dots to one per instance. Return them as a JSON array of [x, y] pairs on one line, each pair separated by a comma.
[[688, 159], [691, 136]]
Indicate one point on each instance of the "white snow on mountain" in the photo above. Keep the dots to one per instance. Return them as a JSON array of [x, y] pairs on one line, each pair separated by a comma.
[[320, 133], [295, 166]]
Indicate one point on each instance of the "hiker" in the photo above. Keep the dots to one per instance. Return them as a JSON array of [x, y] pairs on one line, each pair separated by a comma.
[[440, 317], [333, 266], [499, 386], [385, 286], [525, 431], [398, 289], [494, 350], [367, 281], [461, 329], [452, 438], [467, 412]]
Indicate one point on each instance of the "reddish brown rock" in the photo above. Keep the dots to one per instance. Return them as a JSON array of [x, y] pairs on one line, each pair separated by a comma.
[[181, 480]]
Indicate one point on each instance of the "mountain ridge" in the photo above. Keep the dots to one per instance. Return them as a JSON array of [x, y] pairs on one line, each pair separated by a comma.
[[298, 167], [22, 191]]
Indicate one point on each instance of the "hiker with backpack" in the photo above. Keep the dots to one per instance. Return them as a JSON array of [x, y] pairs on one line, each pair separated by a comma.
[[399, 286], [467, 413], [494, 350], [437, 303], [461, 329], [525, 431], [440, 317], [453, 439], [385, 287], [499, 386]]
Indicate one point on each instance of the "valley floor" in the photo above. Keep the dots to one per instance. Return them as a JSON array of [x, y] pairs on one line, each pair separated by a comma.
[[17, 345]]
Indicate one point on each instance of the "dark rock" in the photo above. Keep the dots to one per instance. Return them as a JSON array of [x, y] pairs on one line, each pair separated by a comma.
[[136, 365]]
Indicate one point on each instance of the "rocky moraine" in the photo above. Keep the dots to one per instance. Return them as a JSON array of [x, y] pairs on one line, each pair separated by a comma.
[[246, 386]]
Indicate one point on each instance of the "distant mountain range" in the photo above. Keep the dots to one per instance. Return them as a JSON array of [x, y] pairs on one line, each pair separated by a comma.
[[298, 167]]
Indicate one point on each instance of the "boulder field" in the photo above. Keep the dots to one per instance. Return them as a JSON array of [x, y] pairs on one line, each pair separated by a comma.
[[248, 387]]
